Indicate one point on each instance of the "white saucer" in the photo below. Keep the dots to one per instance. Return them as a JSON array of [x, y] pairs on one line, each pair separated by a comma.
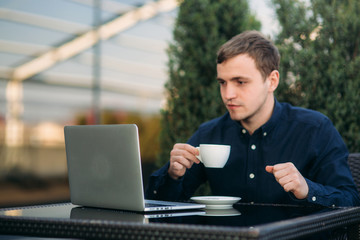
[[222, 213], [216, 202], [218, 207]]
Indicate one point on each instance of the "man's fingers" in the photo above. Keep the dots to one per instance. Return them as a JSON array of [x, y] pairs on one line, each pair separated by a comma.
[[278, 174], [186, 151], [183, 155], [289, 187], [284, 169], [281, 166], [288, 176], [177, 166], [284, 180], [182, 161], [269, 169], [187, 147]]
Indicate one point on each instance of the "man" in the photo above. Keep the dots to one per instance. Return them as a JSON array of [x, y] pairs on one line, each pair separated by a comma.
[[279, 153]]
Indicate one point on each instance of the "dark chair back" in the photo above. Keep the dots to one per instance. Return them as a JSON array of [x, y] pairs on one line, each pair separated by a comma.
[[354, 164]]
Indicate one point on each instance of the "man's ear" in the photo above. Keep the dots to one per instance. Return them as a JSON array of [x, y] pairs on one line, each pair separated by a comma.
[[274, 78]]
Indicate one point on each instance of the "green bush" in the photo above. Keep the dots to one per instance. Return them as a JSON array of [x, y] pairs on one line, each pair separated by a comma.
[[319, 46]]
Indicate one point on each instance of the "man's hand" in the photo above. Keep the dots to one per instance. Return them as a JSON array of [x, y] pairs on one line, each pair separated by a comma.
[[182, 157], [287, 175]]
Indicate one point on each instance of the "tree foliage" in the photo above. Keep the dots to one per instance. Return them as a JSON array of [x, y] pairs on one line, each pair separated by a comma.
[[192, 90], [319, 45], [148, 126]]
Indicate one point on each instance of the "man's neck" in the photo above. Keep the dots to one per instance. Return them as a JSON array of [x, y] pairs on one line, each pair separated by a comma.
[[254, 122]]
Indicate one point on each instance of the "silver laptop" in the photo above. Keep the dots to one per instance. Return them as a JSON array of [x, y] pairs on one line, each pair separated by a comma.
[[118, 215], [104, 169]]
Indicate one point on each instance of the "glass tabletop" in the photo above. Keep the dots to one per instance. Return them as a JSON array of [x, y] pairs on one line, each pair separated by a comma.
[[250, 221], [240, 215]]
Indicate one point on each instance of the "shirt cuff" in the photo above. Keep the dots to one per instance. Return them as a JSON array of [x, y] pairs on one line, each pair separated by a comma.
[[311, 195], [317, 196]]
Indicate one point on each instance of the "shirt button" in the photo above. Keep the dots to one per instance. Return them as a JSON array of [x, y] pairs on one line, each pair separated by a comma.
[[155, 192], [253, 147], [265, 133], [313, 198], [243, 131], [252, 175]]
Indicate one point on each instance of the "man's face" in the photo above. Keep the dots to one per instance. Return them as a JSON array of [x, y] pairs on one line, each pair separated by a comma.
[[243, 89]]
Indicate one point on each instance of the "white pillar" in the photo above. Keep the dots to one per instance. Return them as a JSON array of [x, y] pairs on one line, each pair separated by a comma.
[[14, 127]]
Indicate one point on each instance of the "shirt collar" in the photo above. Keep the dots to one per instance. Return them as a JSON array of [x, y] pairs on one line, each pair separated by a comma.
[[270, 124], [274, 119]]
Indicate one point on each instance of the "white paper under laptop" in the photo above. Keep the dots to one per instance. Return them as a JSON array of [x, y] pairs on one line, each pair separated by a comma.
[[104, 169]]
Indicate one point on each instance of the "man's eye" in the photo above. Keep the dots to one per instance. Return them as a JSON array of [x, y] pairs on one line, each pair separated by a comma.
[[221, 82], [241, 82]]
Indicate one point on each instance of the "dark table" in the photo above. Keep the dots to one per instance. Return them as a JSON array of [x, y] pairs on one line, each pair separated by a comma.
[[244, 221]]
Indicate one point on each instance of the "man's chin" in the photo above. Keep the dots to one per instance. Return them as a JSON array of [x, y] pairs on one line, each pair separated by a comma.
[[236, 117]]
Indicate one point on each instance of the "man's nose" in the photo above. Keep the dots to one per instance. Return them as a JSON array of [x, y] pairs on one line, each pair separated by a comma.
[[229, 93]]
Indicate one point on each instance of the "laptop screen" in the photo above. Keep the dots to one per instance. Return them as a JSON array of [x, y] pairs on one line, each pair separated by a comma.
[[104, 166]]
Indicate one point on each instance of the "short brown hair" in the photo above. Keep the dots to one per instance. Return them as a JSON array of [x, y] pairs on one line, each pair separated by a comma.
[[253, 43]]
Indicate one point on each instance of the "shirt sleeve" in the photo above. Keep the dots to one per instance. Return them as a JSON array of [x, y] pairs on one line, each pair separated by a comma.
[[162, 187], [331, 181]]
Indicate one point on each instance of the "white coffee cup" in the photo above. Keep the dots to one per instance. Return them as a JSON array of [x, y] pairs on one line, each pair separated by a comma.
[[213, 155]]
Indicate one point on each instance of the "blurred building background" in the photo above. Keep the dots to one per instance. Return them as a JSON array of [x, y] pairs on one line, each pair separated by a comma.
[[75, 62], [68, 62]]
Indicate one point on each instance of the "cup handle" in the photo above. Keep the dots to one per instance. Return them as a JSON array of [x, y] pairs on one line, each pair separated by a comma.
[[198, 156]]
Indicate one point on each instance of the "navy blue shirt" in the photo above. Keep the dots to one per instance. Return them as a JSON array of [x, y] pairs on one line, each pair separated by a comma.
[[304, 137]]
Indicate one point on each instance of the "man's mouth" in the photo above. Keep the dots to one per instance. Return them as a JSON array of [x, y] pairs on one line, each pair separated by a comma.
[[232, 106]]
